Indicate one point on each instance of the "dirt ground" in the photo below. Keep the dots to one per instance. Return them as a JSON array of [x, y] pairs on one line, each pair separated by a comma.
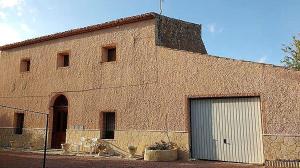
[[30, 160]]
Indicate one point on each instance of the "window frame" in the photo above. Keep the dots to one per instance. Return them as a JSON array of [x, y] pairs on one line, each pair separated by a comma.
[[60, 62], [25, 65], [104, 128], [105, 51], [19, 119]]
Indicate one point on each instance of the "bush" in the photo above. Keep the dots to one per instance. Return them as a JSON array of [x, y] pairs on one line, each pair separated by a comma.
[[162, 145], [131, 147]]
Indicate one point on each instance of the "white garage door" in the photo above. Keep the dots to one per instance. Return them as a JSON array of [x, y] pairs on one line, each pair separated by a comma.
[[227, 129]]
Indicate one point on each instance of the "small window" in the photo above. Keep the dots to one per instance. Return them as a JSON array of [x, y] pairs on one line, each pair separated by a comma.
[[109, 54], [25, 65], [108, 125], [19, 123], [63, 59]]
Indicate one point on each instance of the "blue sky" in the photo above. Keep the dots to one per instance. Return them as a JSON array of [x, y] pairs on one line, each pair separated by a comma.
[[242, 29]]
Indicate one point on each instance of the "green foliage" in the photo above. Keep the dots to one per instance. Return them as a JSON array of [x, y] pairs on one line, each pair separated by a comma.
[[162, 145], [292, 59]]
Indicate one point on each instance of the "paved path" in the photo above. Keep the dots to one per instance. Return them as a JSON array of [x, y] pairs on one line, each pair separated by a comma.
[[29, 160]]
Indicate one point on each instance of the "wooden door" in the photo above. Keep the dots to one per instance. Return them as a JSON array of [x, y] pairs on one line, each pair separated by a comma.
[[60, 117]]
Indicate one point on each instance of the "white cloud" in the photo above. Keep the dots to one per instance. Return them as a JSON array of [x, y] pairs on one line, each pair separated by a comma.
[[25, 28], [10, 3], [19, 10], [11, 31], [19, 13], [2, 15], [33, 19], [8, 34], [17, 5], [262, 59], [213, 28]]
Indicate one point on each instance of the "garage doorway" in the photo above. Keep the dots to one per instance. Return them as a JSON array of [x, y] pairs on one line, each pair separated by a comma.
[[226, 129]]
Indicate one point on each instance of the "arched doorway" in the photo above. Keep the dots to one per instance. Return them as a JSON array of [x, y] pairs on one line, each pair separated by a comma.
[[60, 118]]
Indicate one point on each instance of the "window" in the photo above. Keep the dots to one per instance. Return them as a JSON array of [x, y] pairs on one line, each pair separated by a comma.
[[63, 59], [109, 54], [108, 125], [19, 123], [25, 65]]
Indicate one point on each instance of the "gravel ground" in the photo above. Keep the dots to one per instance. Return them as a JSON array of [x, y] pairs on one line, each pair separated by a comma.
[[30, 160]]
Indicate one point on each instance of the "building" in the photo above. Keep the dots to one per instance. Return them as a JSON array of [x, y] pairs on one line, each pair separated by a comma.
[[146, 78]]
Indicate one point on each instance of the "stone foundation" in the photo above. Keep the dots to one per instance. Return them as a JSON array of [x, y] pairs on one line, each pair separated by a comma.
[[30, 138], [141, 139], [275, 147], [281, 147]]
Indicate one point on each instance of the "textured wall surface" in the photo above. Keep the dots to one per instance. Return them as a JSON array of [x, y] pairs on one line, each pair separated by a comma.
[[177, 34], [87, 81], [282, 147], [31, 138], [184, 74], [147, 87]]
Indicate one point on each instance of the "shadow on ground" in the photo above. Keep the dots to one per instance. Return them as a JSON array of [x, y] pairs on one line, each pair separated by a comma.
[[29, 160]]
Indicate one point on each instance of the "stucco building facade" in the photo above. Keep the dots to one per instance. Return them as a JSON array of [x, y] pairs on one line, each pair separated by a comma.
[[160, 65]]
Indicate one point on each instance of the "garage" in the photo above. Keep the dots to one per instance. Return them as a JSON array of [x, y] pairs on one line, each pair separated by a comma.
[[226, 129]]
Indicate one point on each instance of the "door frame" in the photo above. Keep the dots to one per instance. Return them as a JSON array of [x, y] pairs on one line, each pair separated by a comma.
[[53, 97], [59, 135]]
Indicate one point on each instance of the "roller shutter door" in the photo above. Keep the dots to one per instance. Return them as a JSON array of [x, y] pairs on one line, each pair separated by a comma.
[[226, 129]]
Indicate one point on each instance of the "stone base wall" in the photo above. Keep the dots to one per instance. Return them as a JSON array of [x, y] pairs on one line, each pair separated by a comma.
[[30, 138], [275, 147], [73, 136], [281, 147], [140, 139]]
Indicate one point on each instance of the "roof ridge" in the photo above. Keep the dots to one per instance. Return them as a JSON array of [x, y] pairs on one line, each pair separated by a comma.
[[86, 29]]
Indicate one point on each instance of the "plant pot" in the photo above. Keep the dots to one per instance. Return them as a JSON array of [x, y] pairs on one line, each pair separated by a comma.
[[66, 148], [132, 151], [161, 155], [12, 145], [101, 149], [30, 145]]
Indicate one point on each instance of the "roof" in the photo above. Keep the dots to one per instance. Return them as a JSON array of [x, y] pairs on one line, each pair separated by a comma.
[[72, 32]]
